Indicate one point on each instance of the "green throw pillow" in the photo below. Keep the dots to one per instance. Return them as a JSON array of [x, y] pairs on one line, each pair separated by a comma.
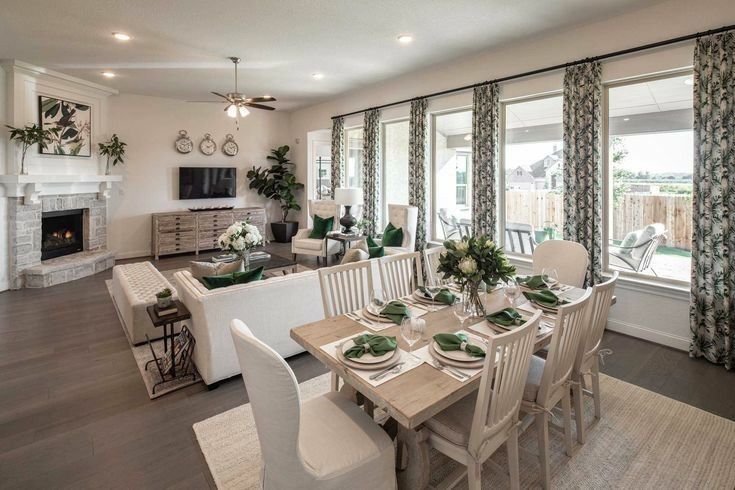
[[321, 227], [371, 243], [376, 252], [248, 276], [225, 280], [392, 236]]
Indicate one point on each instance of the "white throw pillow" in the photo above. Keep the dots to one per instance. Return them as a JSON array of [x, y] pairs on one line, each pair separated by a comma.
[[354, 255], [203, 269]]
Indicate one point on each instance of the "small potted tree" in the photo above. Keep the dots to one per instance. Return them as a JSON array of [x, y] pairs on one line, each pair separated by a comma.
[[113, 149], [28, 136], [278, 183]]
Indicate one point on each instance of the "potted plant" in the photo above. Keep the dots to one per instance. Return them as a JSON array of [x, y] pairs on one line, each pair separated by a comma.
[[241, 238], [163, 298], [28, 136], [113, 149], [278, 183]]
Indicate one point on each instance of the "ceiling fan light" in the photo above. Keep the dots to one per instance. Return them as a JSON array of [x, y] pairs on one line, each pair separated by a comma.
[[244, 112], [232, 110]]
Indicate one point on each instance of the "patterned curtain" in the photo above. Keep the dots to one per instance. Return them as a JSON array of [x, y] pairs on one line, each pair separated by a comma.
[[371, 170], [485, 148], [712, 310], [417, 175], [582, 177], [338, 152]]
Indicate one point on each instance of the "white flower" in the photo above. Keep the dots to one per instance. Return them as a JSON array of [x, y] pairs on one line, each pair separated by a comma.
[[463, 246], [489, 243], [234, 229], [468, 266]]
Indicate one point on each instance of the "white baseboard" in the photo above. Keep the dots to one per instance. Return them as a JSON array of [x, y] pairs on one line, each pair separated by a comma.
[[133, 255], [656, 336]]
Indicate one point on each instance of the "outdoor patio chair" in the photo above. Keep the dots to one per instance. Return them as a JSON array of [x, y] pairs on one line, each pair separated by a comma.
[[448, 223], [636, 250], [520, 238]]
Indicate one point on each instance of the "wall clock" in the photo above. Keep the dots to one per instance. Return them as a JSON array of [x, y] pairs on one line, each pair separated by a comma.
[[208, 146], [184, 143], [229, 147]]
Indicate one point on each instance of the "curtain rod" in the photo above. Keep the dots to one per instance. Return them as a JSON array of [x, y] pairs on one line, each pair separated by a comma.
[[539, 71]]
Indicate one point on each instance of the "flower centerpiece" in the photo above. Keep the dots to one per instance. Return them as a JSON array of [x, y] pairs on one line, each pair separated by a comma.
[[472, 262], [241, 238]]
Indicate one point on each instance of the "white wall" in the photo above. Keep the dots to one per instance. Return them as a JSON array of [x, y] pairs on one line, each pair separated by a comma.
[[648, 311], [150, 125]]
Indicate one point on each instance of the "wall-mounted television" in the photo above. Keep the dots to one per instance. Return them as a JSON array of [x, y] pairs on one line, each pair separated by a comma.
[[207, 182]]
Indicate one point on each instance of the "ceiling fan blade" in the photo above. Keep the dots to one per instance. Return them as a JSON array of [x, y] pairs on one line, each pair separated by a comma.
[[223, 96], [265, 98], [259, 106], [206, 101]]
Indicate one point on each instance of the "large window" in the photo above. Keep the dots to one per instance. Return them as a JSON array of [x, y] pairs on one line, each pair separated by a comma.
[[452, 175], [354, 159], [395, 165], [650, 162], [532, 160]]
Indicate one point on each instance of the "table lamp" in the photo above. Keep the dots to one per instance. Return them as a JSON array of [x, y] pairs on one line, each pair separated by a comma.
[[348, 197]]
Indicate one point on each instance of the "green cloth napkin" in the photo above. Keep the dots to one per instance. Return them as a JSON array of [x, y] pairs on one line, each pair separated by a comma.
[[533, 282], [545, 298], [396, 311], [445, 296], [377, 345], [452, 341], [508, 317]]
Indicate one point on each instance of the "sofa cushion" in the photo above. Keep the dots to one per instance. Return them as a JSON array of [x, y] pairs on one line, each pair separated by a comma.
[[201, 269], [310, 244], [223, 281], [248, 276], [355, 255], [321, 227], [392, 236]]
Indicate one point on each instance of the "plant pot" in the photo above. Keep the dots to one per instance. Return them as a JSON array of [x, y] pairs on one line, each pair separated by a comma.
[[163, 302], [283, 231]]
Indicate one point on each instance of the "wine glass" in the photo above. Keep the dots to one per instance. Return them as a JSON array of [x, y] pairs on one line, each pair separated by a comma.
[[462, 311], [412, 329], [512, 291], [433, 287], [550, 277]]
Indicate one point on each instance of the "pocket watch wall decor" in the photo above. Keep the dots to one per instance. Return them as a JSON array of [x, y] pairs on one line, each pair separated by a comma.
[[229, 147], [208, 146], [184, 143]]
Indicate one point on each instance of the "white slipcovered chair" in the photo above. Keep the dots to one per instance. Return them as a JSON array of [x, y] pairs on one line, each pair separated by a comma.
[[431, 262], [302, 244], [570, 260], [327, 442], [404, 217], [472, 429]]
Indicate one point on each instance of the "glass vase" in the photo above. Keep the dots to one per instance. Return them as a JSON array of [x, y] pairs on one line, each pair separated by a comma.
[[473, 296], [245, 260]]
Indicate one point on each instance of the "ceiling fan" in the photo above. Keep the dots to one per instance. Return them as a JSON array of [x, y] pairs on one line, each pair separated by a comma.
[[237, 103]]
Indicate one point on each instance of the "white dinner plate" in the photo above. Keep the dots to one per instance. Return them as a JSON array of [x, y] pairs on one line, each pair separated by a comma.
[[395, 358], [366, 358], [458, 355]]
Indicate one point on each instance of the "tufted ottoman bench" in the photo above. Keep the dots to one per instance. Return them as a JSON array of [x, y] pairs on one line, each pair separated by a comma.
[[134, 287]]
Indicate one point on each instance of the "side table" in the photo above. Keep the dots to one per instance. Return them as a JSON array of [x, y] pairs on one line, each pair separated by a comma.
[[345, 240], [168, 322]]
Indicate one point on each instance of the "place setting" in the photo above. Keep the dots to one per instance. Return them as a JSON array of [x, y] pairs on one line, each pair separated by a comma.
[[435, 295], [460, 355], [380, 313]]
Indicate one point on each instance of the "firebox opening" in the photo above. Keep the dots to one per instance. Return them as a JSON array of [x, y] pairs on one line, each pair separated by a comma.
[[62, 233]]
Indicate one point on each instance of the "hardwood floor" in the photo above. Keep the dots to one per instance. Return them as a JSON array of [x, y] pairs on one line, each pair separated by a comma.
[[74, 410]]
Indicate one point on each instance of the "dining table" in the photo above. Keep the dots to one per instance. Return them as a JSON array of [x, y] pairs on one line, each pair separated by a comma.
[[420, 393]]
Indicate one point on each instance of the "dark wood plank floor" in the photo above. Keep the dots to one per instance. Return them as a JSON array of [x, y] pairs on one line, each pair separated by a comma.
[[74, 410]]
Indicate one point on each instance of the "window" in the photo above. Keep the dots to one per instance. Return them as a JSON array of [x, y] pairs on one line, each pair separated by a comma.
[[533, 160], [452, 187], [395, 165], [354, 159], [650, 164]]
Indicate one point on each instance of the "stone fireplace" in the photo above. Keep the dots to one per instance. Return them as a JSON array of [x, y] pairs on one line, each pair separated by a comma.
[[62, 233]]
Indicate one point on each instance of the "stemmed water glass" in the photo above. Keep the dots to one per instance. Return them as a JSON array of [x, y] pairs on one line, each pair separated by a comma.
[[433, 287], [550, 277], [462, 312], [412, 329], [376, 299], [512, 291]]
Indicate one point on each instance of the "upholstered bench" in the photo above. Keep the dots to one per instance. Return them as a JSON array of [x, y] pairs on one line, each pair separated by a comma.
[[134, 287]]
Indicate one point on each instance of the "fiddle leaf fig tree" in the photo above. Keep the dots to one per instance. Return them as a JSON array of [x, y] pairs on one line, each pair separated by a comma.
[[28, 136], [113, 149], [277, 182]]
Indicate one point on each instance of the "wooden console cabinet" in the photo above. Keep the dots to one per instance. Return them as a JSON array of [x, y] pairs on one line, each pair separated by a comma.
[[189, 231]]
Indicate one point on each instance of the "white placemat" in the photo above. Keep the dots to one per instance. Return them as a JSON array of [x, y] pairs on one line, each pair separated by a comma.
[[409, 362], [359, 317], [426, 356], [482, 327]]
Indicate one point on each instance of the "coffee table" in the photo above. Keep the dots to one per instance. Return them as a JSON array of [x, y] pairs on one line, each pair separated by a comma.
[[274, 264]]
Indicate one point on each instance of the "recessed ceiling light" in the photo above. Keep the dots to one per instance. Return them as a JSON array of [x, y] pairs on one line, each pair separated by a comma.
[[688, 81], [108, 74], [468, 137], [121, 36], [317, 76], [405, 38], [626, 119]]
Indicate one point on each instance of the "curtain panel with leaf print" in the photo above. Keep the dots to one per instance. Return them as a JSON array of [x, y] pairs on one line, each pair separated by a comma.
[[338, 152], [371, 170], [712, 309], [582, 174], [417, 174], [485, 151]]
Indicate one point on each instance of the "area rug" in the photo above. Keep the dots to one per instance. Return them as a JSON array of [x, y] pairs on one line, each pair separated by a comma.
[[644, 440]]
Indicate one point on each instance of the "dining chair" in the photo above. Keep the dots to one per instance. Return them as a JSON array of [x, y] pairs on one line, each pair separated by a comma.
[[549, 380], [327, 442], [345, 288], [400, 274], [587, 362], [570, 260], [472, 429], [431, 262]]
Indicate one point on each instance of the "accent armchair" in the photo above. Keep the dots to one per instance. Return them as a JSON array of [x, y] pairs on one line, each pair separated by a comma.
[[405, 217], [302, 244]]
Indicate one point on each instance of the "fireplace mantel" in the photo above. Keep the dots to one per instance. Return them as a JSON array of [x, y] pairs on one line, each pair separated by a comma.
[[32, 187]]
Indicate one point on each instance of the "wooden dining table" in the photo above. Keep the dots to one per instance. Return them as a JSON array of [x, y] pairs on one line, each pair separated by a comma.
[[416, 395]]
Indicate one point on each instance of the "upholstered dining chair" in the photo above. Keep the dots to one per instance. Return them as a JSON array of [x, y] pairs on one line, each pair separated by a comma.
[[400, 274], [302, 244], [404, 217], [568, 258], [431, 262], [327, 442], [472, 429], [549, 381], [345, 288], [587, 362]]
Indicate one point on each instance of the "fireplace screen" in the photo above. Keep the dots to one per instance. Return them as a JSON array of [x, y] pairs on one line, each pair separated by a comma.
[[63, 233]]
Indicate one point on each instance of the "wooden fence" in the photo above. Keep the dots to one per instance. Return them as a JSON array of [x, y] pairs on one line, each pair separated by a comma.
[[635, 212]]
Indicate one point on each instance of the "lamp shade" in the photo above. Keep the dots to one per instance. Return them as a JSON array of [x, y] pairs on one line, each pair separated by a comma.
[[348, 196]]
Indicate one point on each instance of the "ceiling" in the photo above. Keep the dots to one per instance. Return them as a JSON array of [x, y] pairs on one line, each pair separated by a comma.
[[179, 48]]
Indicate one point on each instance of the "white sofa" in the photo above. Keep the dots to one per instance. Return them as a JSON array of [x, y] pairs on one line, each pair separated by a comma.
[[270, 308], [302, 244]]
